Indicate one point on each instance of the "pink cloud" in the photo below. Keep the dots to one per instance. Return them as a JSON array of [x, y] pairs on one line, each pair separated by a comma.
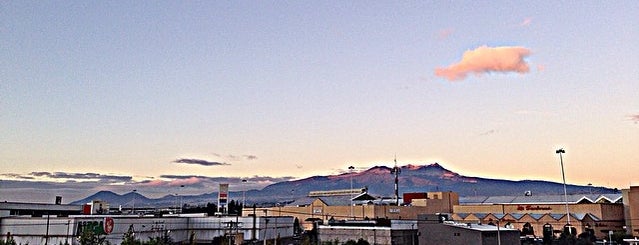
[[526, 21], [541, 67], [154, 183], [634, 118], [172, 183], [189, 181], [445, 33], [485, 60]]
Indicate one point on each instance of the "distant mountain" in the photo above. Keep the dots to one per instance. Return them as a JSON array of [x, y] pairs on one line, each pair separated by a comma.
[[424, 178], [378, 180], [128, 199]]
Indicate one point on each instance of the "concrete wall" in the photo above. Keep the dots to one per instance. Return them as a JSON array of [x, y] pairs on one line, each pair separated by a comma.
[[374, 235]]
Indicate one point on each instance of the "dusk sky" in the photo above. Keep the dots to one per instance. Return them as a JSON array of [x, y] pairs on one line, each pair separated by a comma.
[[123, 95]]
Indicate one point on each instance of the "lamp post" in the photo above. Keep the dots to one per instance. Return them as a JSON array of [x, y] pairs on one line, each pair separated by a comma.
[[244, 193], [350, 169], [498, 233], [181, 190], [133, 208], [563, 176], [177, 200]]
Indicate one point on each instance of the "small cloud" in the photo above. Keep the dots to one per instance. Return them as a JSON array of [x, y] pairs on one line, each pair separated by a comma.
[[268, 179], [83, 176], [485, 60], [17, 176], [232, 158], [489, 132], [541, 68], [526, 21], [532, 113], [445, 33], [199, 162], [634, 118]]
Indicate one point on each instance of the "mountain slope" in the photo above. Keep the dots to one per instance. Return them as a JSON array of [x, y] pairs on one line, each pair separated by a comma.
[[378, 180]]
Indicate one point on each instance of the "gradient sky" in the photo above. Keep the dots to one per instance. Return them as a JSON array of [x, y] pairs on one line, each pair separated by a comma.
[[132, 94]]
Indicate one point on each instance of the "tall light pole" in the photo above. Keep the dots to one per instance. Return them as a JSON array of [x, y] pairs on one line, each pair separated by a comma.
[[498, 235], [177, 200], [244, 193], [181, 190], [133, 208], [350, 169], [563, 176]]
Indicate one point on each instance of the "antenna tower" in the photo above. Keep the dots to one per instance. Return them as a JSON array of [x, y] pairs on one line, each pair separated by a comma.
[[396, 171]]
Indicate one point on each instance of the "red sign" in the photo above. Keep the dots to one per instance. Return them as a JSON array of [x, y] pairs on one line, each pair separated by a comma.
[[108, 225]]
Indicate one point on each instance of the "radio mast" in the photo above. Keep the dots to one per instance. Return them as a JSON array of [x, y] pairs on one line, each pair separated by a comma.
[[396, 171]]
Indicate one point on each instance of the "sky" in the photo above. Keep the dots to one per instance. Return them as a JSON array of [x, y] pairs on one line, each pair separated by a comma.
[[177, 96]]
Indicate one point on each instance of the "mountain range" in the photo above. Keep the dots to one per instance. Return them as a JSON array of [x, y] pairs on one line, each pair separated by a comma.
[[378, 180]]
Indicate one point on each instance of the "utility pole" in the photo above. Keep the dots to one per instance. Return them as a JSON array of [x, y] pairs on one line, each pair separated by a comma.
[[46, 237], [254, 229], [350, 169]]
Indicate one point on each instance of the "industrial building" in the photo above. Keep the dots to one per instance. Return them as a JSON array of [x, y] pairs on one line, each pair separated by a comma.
[[436, 229], [380, 232], [196, 228], [38, 209], [364, 206]]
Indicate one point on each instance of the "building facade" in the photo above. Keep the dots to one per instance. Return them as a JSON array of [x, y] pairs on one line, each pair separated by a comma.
[[631, 210], [395, 232], [364, 208], [602, 213]]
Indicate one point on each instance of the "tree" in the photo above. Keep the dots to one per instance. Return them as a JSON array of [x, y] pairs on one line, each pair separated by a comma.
[[235, 207], [360, 241], [164, 239], [89, 237], [129, 237], [297, 229], [210, 209], [9, 241]]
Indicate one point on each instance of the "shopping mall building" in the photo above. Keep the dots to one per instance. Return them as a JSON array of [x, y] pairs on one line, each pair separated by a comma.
[[601, 213]]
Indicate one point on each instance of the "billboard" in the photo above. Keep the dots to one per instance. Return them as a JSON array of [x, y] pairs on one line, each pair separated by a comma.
[[223, 195], [97, 226]]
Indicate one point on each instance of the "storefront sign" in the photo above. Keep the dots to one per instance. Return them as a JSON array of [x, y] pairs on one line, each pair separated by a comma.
[[532, 208], [98, 227]]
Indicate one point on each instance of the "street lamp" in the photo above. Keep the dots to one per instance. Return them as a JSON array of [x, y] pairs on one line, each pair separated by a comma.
[[350, 169], [498, 233], [181, 190], [133, 208], [244, 193], [563, 176], [177, 201]]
